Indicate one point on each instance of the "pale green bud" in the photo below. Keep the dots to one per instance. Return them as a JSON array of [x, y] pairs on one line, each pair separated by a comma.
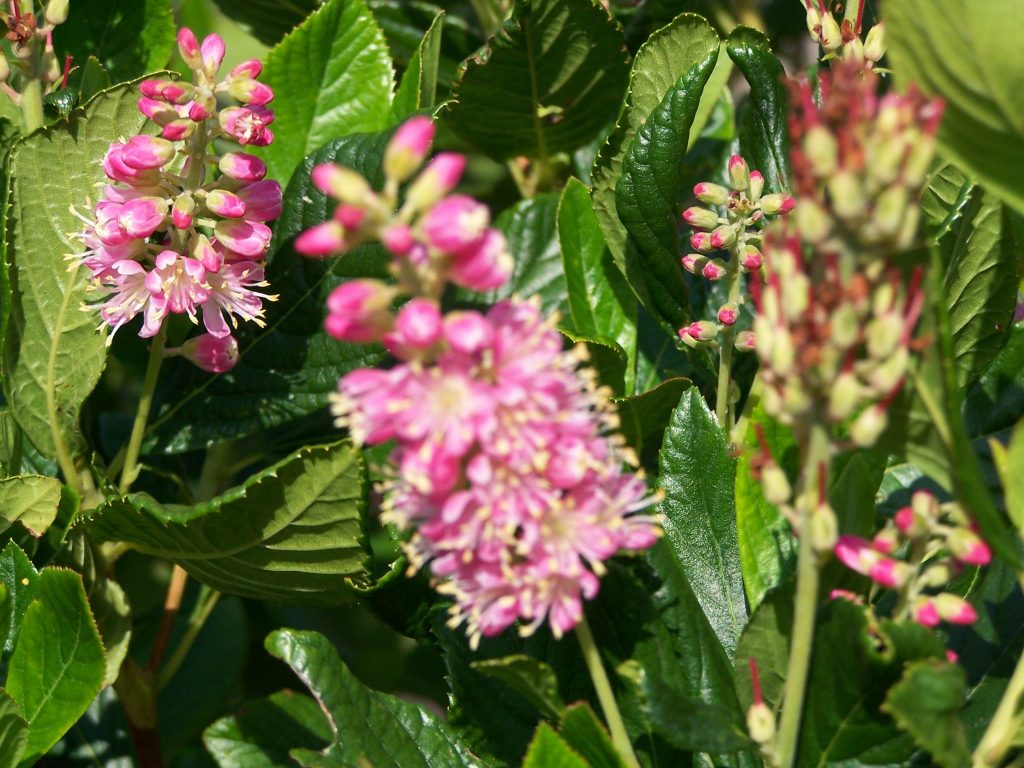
[[813, 20], [919, 160], [783, 352], [885, 165], [775, 484], [890, 372], [847, 194], [874, 43], [5, 69], [937, 574], [756, 185], [884, 334], [56, 12], [812, 221], [822, 150], [761, 723], [890, 207], [868, 426], [845, 326], [831, 36], [853, 50], [844, 397], [824, 530], [796, 398]]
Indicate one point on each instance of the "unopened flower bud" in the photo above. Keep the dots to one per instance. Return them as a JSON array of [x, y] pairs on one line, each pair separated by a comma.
[[746, 341], [889, 210], [812, 221], [822, 151], [5, 68], [701, 241], [714, 269], [823, 529], [761, 723], [417, 327], [813, 19], [925, 613], [868, 426], [408, 148], [56, 12], [699, 331], [751, 258], [936, 574], [727, 314], [777, 203], [211, 353], [775, 484], [694, 262], [189, 48], [711, 194], [874, 43], [436, 180], [701, 218], [830, 37], [182, 210], [845, 326], [360, 311], [883, 335], [889, 573], [847, 194], [968, 547], [739, 173], [342, 183], [756, 185], [954, 609], [723, 236], [926, 505], [886, 541], [844, 397]]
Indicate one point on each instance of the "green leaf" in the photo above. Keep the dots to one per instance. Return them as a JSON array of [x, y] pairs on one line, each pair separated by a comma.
[[292, 531], [534, 680], [959, 50], [333, 76], [31, 500], [263, 733], [418, 88], [925, 704], [530, 226], [129, 37], [53, 354], [765, 639], [767, 551], [600, 304], [114, 622], [267, 20], [644, 418], [549, 750], [696, 474], [366, 726], [549, 81], [19, 577], [647, 191], [583, 732], [404, 23], [669, 53], [13, 731], [57, 666], [606, 358], [854, 664], [695, 726], [289, 368], [1009, 460], [764, 128]]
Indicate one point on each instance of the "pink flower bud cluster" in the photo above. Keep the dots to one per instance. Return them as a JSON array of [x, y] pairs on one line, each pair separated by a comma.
[[832, 346], [507, 475], [435, 237], [30, 55], [180, 230], [842, 39], [939, 542], [730, 224], [860, 162]]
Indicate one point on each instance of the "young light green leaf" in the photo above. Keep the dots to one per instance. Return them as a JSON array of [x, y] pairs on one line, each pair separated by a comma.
[[647, 192], [532, 679], [549, 750], [266, 730], [549, 81], [696, 474], [1009, 461], [418, 88], [365, 725], [13, 731], [57, 666], [960, 50], [292, 531], [31, 500], [925, 703], [585, 734], [661, 61], [599, 301], [336, 73], [53, 354]]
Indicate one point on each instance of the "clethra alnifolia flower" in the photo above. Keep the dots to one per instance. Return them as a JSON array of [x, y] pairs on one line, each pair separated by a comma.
[[180, 230], [507, 473]]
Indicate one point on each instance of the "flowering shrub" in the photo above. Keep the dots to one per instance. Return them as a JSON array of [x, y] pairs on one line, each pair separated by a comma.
[[606, 384]]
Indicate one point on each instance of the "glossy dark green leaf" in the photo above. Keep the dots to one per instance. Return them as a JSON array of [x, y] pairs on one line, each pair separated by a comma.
[[854, 665], [289, 368], [695, 726], [583, 732], [959, 50], [13, 731], [333, 76], [643, 418], [19, 577], [129, 37], [292, 531], [925, 703], [767, 551], [418, 87], [534, 680], [365, 725], [669, 53], [996, 401], [606, 358], [267, 20], [599, 301], [646, 196], [58, 664], [764, 126], [264, 732], [549, 81], [404, 23], [765, 639], [549, 750], [696, 474]]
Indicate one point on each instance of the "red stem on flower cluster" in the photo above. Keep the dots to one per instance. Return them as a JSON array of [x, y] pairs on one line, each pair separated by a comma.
[[755, 681], [67, 71]]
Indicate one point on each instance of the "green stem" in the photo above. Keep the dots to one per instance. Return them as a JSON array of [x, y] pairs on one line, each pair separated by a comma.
[[204, 607], [32, 106], [807, 578], [604, 694], [156, 358], [725, 340], [1007, 722]]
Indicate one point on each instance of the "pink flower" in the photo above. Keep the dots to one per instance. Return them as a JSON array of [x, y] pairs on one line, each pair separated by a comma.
[[456, 224], [211, 353], [212, 53], [485, 266], [262, 200], [360, 311], [147, 152], [324, 239], [248, 125], [249, 238], [226, 204], [189, 47], [231, 294], [178, 284], [408, 148], [418, 326]]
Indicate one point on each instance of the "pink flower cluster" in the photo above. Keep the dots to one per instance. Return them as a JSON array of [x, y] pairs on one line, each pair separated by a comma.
[[939, 546], [507, 473], [170, 235]]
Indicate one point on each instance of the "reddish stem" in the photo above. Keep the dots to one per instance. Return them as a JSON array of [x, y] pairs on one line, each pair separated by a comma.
[[755, 681], [67, 71]]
